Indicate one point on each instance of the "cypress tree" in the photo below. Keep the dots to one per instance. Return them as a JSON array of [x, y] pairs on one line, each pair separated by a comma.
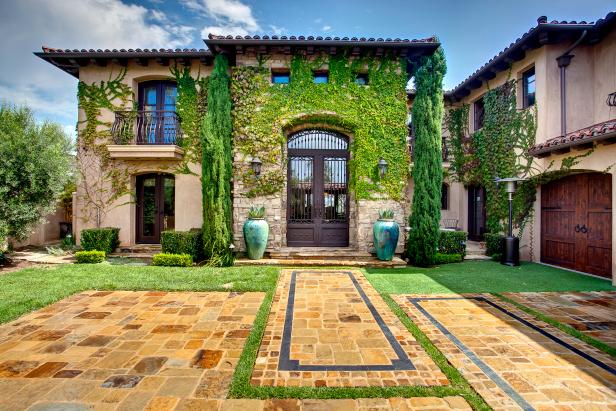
[[216, 168], [428, 169]]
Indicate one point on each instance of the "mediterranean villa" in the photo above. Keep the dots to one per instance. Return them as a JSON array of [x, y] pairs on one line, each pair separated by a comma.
[[326, 155]]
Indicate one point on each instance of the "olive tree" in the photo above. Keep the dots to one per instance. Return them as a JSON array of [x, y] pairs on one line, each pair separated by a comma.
[[35, 165]]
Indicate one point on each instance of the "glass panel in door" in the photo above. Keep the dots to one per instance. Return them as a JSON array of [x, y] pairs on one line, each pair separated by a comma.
[[301, 186], [149, 208], [168, 203], [334, 189]]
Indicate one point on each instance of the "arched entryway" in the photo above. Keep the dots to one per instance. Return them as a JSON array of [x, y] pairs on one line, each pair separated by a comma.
[[576, 223], [317, 189], [155, 206]]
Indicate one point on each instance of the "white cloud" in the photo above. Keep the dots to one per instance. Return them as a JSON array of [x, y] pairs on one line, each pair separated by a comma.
[[229, 16], [277, 30], [326, 28], [27, 25]]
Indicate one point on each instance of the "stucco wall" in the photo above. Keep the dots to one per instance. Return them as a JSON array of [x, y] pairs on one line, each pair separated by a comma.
[[122, 213], [590, 77]]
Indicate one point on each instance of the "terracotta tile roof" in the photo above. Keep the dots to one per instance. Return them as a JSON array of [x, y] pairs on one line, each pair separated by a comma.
[[71, 60], [543, 33], [153, 52], [298, 39], [587, 135]]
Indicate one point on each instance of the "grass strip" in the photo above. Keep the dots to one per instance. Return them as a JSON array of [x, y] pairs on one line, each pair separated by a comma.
[[600, 345]]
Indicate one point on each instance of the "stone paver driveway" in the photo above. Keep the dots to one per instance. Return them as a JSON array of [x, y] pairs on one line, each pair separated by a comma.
[[124, 349], [512, 360], [593, 313]]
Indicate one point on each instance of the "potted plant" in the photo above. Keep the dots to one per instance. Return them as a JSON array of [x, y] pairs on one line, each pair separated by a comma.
[[386, 233], [256, 232]]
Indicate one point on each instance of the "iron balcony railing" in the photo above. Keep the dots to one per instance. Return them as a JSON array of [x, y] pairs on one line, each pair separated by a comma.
[[146, 127]]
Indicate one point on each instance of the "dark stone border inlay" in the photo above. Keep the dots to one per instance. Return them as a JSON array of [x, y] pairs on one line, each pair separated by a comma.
[[402, 363], [501, 383]]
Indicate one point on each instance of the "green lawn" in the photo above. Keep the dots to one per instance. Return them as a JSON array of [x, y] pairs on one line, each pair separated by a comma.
[[482, 276], [33, 288]]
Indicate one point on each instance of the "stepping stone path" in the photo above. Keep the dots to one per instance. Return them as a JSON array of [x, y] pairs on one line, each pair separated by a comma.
[[512, 360]]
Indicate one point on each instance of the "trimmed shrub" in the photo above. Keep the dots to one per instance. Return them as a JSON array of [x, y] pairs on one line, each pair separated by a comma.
[[452, 242], [493, 243], [90, 257], [441, 258], [172, 260], [105, 239], [183, 242]]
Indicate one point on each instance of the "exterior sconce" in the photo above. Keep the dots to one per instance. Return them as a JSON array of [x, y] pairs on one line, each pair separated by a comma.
[[382, 167], [510, 245], [256, 166]]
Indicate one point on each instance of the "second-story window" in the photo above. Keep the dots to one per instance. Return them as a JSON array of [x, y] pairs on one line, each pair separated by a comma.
[[528, 88], [157, 120], [281, 77], [320, 77], [361, 79], [478, 113]]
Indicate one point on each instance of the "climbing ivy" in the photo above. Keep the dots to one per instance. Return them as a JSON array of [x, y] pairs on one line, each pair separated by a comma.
[[374, 116], [501, 149], [191, 106], [216, 167], [427, 171]]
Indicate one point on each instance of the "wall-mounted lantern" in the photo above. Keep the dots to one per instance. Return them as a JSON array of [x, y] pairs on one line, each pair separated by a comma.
[[256, 166], [510, 246], [382, 167]]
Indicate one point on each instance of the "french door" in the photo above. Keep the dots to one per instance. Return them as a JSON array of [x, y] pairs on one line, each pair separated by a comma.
[[157, 101], [317, 193], [476, 213], [155, 206]]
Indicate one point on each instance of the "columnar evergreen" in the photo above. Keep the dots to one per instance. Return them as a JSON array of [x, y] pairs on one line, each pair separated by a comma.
[[217, 167], [428, 169]]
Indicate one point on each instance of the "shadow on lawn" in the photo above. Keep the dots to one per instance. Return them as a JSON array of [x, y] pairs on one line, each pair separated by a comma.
[[482, 277]]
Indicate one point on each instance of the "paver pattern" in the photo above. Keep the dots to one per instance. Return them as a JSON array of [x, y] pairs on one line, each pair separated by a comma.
[[511, 364], [125, 350], [593, 313], [341, 334]]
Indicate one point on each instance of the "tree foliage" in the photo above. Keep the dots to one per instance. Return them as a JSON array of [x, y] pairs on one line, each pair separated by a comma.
[[216, 168], [36, 164], [427, 172]]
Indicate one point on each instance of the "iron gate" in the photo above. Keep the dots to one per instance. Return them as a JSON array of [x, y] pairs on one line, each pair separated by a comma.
[[317, 199]]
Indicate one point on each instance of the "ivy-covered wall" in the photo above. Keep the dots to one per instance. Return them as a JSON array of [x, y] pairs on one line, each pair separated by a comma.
[[374, 116]]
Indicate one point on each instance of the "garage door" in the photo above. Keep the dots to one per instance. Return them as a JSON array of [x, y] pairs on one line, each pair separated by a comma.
[[576, 223]]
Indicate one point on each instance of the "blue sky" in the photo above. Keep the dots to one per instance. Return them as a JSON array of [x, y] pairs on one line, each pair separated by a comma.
[[471, 31]]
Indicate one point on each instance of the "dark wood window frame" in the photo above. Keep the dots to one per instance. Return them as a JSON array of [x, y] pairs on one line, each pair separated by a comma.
[[279, 74], [478, 113], [528, 99], [361, 79], [320, 74]]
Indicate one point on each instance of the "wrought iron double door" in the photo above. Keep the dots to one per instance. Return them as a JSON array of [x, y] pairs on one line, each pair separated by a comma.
[[318, 201]]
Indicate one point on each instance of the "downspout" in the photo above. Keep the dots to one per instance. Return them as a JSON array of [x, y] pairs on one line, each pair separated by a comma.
[[563, 61]]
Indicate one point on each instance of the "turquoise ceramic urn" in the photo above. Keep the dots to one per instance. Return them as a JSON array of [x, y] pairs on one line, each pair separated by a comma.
[[256, 232], [386, 233]]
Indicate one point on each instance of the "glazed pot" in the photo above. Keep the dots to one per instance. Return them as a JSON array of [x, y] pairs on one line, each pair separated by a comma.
[[386, 233], [256, 232]]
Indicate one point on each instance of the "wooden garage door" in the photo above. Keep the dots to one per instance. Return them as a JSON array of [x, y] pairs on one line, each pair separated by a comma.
[[576, 223]]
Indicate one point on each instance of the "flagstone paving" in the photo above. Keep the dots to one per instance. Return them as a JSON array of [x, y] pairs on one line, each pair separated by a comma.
[[125, 350], [332, 329], [593, 313], [511, 359]]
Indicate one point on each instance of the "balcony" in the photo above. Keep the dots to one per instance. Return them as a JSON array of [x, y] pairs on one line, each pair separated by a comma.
[[141, 134]]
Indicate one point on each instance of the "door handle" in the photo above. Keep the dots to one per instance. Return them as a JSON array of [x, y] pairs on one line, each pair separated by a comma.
[[583, 229], [577, 228]]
